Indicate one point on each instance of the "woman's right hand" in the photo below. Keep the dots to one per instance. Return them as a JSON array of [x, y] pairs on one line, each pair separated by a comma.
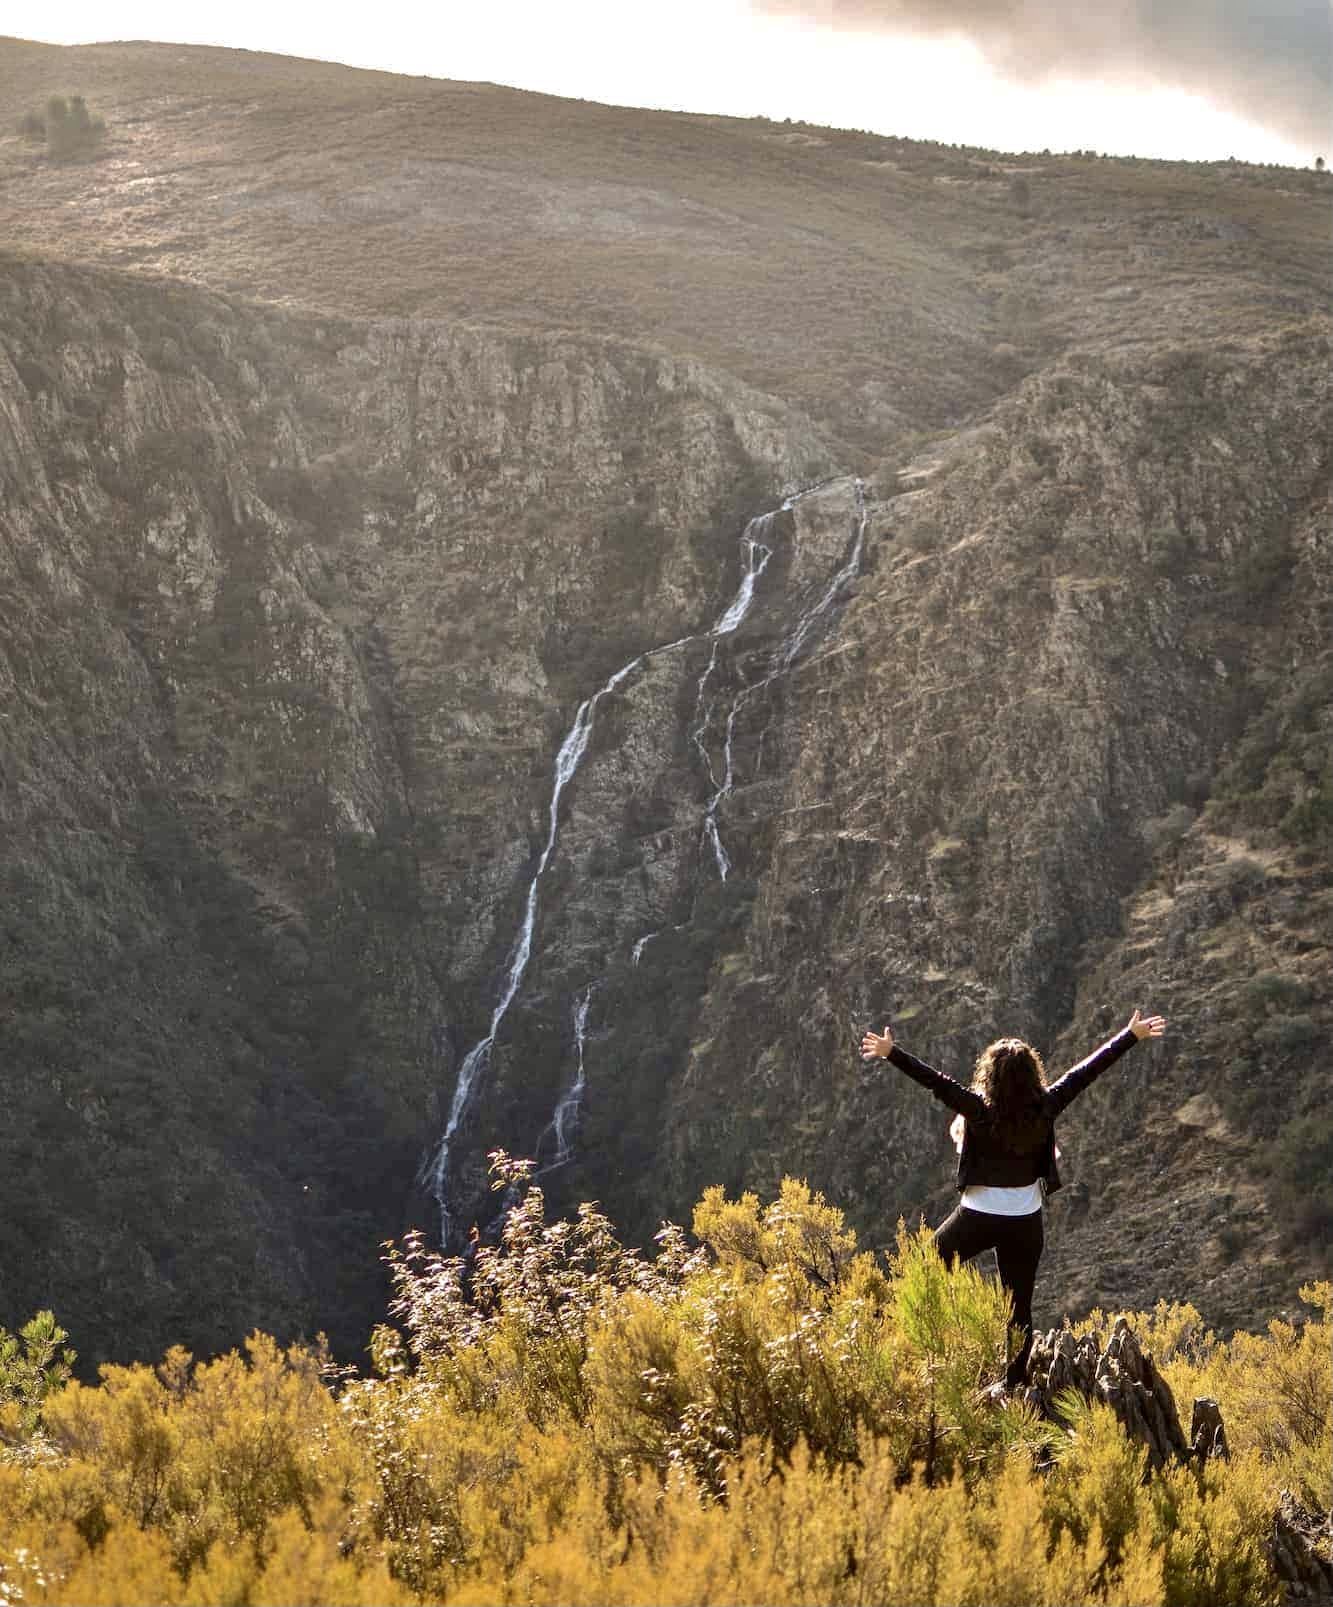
[[1147, 1026], [877, 1045]]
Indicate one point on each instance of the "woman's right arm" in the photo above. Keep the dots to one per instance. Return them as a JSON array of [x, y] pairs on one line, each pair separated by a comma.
[[880, 1046]]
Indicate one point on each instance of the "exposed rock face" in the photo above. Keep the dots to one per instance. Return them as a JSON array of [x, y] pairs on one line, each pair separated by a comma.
[[293, 612], [1008, 802], [298, 609], [1122, 1375], [1302, 1551]]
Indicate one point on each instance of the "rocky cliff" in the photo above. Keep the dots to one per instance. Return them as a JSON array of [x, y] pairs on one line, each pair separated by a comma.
[[1069, 752], [384, 696], [293, 613]]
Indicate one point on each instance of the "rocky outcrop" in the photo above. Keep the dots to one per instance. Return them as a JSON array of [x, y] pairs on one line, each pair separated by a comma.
[[1121, 1374], [1301, 1550]]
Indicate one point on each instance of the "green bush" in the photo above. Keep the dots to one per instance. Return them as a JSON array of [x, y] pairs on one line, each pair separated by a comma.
[[33, 1364]]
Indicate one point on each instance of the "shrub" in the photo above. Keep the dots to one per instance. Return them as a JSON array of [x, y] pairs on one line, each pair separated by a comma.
[[1272, 991], [1163, 832], [1300, 1163], [766, 1416], [67, 126], [34, 1364], [1288, 1034]]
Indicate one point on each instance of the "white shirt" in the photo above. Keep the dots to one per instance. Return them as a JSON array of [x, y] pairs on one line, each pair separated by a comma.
[[1001, 1201]]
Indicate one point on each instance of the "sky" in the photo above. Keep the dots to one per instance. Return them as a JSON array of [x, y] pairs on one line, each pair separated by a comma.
[[1194, 79]]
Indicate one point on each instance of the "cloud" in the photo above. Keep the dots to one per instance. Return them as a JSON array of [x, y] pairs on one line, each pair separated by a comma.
[[1268, 61]]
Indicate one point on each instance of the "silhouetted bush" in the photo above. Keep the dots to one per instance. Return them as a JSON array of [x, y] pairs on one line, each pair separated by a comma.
[[67, 126]]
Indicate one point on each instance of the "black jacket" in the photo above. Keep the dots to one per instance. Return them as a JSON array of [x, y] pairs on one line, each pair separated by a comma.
[[986, 1157]]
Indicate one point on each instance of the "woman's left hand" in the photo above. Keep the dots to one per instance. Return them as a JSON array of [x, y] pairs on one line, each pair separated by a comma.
[[1147, 1026]]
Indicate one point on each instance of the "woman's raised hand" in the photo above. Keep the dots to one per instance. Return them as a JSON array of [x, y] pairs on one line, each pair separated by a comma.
[[1147, 1026], [876, 1045]]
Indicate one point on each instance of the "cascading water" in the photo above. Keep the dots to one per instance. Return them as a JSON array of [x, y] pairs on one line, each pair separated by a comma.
[[435, 1174], [699, 730], [792, 646], [757, 553], [758, 556], [474, 1064], [561, 1125], [782, 661]]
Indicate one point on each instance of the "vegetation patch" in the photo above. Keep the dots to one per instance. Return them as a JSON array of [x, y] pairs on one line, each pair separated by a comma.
[[762, 1413], [66, 126]]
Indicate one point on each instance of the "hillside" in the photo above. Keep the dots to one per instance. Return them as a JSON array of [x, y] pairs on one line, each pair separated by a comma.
[[357, 429], [373, 194]]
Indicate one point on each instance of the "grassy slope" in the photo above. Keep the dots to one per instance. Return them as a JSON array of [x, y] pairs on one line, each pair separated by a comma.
[[881, 284]]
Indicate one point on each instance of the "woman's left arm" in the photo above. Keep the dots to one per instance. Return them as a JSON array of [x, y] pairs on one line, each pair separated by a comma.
[[1077, 1078]]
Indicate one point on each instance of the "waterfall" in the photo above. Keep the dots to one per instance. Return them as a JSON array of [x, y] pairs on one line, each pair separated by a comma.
[[435, 1174], [756, 555], [807, 622], [474, 1064], [699, 730], [782, 661], [567, 1108], [722, 790], [756, 561]]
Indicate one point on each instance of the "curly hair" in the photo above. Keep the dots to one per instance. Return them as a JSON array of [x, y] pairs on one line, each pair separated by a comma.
[[1010, 1077]]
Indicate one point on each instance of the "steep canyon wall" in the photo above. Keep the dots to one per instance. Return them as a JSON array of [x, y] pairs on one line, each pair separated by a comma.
[[1069, 753], [297, 610]]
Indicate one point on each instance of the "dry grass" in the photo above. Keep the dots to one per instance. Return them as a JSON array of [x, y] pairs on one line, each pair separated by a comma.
[[882, 284]]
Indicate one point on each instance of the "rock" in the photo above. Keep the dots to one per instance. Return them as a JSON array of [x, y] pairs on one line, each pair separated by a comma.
[[1301, 1549], [1118, 1373], [1208, 1437]]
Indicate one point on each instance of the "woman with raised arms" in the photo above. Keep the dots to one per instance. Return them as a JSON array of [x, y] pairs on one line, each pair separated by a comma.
[[1005, 1132]]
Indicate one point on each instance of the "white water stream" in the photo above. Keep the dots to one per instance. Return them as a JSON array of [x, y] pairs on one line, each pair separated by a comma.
[[561, 1125], [756, 551], [782, 661], [435, 1174]]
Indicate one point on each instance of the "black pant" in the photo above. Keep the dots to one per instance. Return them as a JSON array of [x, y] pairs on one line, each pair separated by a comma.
[[1017, 1242]]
